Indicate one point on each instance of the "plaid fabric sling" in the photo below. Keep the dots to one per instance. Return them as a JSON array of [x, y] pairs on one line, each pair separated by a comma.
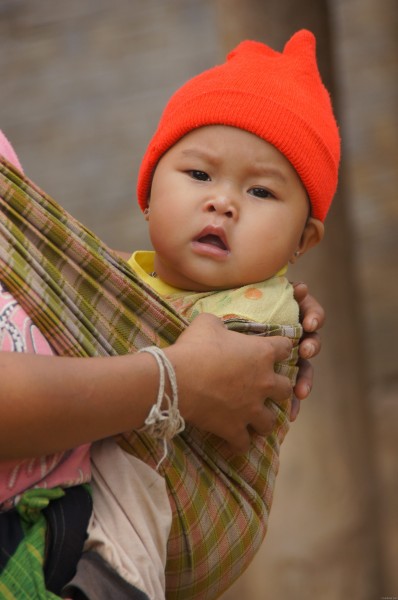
[[88, 302]]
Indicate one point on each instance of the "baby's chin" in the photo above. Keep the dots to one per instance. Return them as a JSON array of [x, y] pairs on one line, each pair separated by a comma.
[[210, 285], [208, 279], [201, 285]]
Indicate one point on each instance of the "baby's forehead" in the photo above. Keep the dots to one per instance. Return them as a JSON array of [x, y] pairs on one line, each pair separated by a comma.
[[221, 139], [217, 143]]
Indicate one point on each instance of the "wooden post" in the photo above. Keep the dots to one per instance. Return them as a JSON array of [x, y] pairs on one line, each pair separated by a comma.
[[323, 535]]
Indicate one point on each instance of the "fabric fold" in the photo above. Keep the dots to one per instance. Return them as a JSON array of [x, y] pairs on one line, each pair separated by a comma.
[[87, 302]]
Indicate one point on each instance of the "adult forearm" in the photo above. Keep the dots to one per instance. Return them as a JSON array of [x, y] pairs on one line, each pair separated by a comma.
[[50, 403]]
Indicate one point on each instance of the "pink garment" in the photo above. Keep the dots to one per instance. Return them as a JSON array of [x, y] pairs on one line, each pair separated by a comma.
[[19, 334], [8, 151]]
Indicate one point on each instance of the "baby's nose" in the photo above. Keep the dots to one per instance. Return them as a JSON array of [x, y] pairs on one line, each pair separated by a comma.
[[222, 205]]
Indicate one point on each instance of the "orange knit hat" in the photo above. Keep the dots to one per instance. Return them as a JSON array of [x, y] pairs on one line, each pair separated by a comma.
[[278, 96]]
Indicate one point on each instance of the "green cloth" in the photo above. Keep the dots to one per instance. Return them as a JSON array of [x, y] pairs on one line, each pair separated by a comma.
[[88, 302], [23, 577]]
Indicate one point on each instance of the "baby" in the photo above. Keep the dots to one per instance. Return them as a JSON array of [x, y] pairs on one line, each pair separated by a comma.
[[235, 184]]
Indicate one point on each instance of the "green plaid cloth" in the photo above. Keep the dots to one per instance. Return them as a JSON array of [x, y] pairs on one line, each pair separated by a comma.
[[23, 576], [89, 302]]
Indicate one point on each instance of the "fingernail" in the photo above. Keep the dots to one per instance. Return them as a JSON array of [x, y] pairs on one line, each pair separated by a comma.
[[308, 350], [314, 324], [307, 390]]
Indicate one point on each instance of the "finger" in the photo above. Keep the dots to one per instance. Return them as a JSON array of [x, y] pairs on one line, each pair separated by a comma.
[[310, 345], [312, 313], [294, 409], [282, 389], [281, 346], [207, 319], [265, 422], [303, 387], [300, 291]]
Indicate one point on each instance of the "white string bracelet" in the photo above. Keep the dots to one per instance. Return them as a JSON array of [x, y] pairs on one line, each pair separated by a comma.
[[164, 423]]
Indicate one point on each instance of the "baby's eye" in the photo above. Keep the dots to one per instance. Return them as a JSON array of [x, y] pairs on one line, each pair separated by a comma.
[[260, 192], [199, 175]]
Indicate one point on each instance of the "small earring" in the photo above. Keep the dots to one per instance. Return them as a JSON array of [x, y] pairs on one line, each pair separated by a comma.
[[297, 254], [146, 211]]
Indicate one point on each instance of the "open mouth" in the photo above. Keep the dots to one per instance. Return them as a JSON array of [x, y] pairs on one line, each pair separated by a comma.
[[212, 242], [212, 239], [213, 236]]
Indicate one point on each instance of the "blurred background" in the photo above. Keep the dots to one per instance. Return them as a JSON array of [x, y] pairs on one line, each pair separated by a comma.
[[83, 84]]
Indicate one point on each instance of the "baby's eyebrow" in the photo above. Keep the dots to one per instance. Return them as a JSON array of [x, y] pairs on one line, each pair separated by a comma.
[[268, 171], [202, 153], [257, 169]]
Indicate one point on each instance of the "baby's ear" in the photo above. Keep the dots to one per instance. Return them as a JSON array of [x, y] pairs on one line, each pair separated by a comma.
[[312, 235]]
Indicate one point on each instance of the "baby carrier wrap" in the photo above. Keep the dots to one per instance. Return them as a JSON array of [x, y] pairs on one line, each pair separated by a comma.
[[88, 302]]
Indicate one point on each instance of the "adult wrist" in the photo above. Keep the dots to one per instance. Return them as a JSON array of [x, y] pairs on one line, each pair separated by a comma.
[[164, 420]]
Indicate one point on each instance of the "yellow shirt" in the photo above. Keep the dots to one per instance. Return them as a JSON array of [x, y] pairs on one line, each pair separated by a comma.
[[269, 301]]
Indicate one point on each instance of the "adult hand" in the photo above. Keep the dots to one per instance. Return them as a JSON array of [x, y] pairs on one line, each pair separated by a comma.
[[312, 318], [224, 377]]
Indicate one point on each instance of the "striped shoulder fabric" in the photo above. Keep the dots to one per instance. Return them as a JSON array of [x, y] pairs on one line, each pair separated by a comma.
[[88, 302], [81, 295]]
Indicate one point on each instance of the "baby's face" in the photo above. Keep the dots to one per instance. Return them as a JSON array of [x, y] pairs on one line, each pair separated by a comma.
[[226, 209]]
